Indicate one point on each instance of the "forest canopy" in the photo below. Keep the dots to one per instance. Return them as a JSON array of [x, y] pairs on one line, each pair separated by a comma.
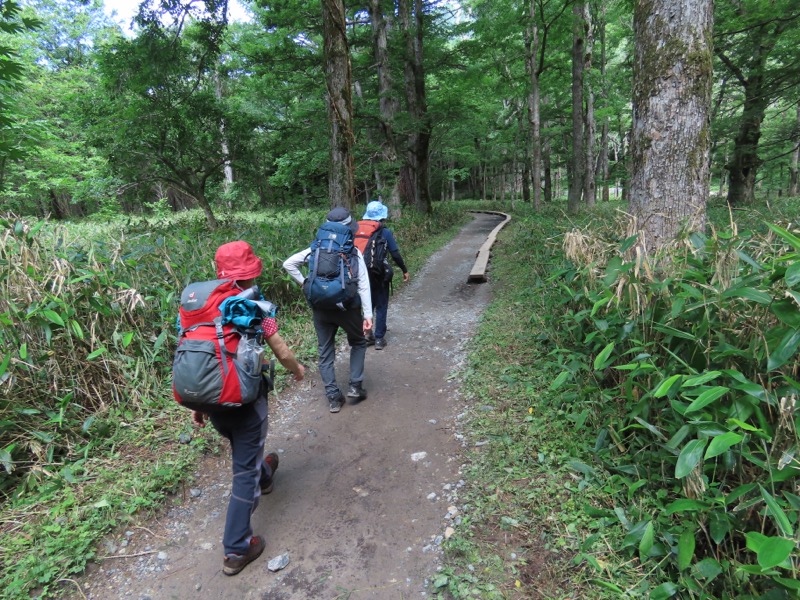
[[191, 109]]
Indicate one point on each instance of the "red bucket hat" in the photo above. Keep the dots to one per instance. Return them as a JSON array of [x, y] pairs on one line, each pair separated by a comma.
[[236, 260]]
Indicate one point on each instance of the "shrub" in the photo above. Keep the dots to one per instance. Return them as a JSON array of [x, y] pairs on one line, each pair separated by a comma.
[[689, 375]]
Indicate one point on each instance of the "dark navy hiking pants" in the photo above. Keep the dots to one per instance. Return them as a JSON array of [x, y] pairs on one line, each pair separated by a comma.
[[380, 304], [246, 429]]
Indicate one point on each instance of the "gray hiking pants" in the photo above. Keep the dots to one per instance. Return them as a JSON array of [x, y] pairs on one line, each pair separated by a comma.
[[326, 324]]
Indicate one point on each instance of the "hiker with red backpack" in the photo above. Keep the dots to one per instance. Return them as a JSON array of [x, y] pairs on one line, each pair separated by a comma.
[[218, 373], [337, 290], [377, 243]]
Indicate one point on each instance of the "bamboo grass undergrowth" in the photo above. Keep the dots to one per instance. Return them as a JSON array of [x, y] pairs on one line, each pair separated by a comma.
[[567, 494], [91, 437]]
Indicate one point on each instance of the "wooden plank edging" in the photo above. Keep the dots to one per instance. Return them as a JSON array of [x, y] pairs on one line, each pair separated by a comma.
[[478, 272]]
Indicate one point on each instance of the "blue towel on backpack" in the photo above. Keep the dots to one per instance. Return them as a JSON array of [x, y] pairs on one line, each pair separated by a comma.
[[243, 313]]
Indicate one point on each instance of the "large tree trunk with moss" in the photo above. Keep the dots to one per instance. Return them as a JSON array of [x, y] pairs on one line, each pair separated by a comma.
[[338, 79], [672, 75], [578, 162]]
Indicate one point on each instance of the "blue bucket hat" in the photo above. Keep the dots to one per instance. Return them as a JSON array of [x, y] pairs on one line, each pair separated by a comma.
[[376, 211]]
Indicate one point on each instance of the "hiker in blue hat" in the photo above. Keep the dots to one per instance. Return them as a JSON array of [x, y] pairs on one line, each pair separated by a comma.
[[377, 243]]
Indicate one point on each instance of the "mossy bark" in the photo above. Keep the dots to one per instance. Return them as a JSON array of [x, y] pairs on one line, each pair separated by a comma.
[[671, 111]]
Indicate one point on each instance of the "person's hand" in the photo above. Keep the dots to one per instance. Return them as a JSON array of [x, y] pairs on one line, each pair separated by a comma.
[[367, 325], [406, 276], [300, 373], [199, 419]]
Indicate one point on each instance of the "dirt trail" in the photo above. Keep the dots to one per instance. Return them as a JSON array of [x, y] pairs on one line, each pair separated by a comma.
[[362, 498]]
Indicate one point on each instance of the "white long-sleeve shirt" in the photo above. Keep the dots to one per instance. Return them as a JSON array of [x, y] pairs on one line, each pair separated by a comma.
[[295, 261]]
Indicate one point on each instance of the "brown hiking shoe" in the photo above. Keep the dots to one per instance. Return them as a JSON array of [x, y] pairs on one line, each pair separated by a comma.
[[233, 563], [272, 461]]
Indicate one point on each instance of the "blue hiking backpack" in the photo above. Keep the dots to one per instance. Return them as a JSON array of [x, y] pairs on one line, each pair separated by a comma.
[[332, 281]]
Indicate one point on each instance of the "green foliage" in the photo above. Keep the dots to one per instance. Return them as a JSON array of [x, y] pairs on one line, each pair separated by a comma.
[[521, 513], [12, 23], [87, 331], [689, 378], [629, 437]]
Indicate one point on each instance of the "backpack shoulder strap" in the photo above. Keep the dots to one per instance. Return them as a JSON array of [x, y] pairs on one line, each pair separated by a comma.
[[315, 262]]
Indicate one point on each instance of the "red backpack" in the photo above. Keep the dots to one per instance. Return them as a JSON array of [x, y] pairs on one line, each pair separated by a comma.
[[364, 233], [216, 366], [373, 245]]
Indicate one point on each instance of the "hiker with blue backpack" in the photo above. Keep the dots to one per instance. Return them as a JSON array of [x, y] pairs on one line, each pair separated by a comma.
[[337, 290], [377, 243], [218, 373]]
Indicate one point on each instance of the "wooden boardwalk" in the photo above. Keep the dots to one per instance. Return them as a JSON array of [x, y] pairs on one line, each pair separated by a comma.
[[478, 272]]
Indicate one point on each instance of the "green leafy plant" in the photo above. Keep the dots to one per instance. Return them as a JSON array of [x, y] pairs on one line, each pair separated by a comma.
[[87, 325], [691, 375]]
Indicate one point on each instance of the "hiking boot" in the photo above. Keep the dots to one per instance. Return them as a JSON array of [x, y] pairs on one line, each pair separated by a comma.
[[272, 461], [356, 392], [335, 403], [233, 563], [380, 343]]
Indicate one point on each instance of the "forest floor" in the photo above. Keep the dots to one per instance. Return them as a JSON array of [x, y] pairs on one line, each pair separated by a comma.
[[363, 499]]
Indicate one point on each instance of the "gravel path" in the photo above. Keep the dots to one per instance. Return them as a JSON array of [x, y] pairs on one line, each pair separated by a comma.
[[363, 499]]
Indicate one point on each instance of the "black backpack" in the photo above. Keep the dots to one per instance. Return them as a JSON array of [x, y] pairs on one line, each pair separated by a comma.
[[376, 256]]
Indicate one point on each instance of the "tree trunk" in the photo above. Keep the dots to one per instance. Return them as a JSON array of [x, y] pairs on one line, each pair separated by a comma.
[[795, 157], [745, 161], [534, 145], [388, 104], [55, 206], [548, 175], [422, 150], [200, 195], [503, 182], [590, 127], [624, 151], [408, 175], [227, 167], [578, 166], [338, 80], [758, 79], [590, 184], [603, 163], [672, 79]]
